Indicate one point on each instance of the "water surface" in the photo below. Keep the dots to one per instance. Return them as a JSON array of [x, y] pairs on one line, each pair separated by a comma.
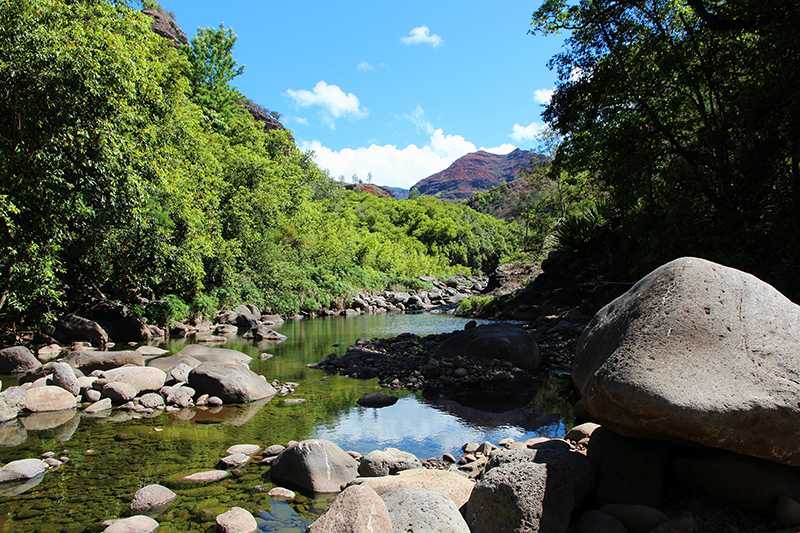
[[112, 457]]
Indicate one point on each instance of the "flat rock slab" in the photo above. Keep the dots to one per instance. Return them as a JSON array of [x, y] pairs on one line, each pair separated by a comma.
[[456, 487], [49, 398], [701, 353], [247, 449], [22, 469], [89, 360], [207, 476], [143, 379]]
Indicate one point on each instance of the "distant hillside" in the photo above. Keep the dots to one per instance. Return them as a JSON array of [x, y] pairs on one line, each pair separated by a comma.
[[375, 190], [475, 172], [398, 192]]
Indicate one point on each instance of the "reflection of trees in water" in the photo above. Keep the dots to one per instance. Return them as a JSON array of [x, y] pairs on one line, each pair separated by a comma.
[[547, 405]]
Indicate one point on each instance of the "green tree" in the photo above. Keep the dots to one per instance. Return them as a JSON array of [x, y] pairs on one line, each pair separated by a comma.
[[686, 111]]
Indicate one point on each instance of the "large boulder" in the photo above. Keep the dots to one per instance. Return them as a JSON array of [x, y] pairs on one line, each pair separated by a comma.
[[520, 497], [22, 469], [357, 509], [314, 465], [455, 486], [423, 511], [12, 401], [701, 353], [48, 398], [505, 342], [79, 328], [204, 354], [88, 361], [142, 378], [387, 462], [17, 360], [230, 382]]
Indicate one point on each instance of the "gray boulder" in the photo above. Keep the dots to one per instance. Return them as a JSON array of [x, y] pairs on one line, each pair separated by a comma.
[[629, 471], [314, 465], [520, 497], [119, 391], [264, 333], [377, 399], [455, 486], [48, 398], [358, 509], [64, 377], [17, 360], [143, 379], [88, 361], [204, 354], [387, 462], [231, 382], [571, 466], [12, 401], [171, 362], [132, 524], [237, 520], [505, 342], [701, 353], [423, 511], [79, 328]]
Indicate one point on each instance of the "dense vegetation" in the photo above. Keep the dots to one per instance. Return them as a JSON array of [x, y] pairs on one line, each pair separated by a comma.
[[129, 170], [685, 112]]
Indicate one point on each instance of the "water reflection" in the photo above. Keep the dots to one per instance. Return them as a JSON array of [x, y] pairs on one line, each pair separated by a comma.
[[430, 428]]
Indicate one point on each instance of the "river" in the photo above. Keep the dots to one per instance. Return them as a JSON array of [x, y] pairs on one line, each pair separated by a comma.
[[111, 457]]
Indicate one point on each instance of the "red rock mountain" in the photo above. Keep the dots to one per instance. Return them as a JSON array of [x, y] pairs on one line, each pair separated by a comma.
[[478, 171]]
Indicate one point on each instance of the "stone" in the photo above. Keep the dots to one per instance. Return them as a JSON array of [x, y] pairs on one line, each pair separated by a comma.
[[454, 486], [22, 469], [170, 362], [595, 521], [79, 328], [180, 396], [247, 449], [263, 333], [204, 354], [119, 392], [152, 400], [387, 462], [207, 476], [152, 500], [17, 360], [12, 401], [180, 372], [573, 468], [745, 482], [377, 399], [234, 460], [132, 524], [423, 511], [280, 492], [697, 352], [88, 361], [99, 406], [274, 450], [48, 398], [64, 377], [143, 379], [636, 518], [501, 341], [520, 497], [629, 470], [788, 511], [580, 432], [237, 520], [232, 383], [314, 465], [358, 509]]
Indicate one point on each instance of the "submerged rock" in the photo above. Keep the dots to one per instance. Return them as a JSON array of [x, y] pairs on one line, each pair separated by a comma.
[[314, 465]]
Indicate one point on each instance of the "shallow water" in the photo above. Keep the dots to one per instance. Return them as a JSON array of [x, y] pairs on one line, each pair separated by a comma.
[[112, 457]]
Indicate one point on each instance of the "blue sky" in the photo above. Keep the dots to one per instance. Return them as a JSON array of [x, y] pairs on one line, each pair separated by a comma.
[[398, 89]]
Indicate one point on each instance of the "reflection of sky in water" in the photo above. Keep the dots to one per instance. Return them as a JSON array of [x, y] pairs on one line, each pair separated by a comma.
[[417, 427]]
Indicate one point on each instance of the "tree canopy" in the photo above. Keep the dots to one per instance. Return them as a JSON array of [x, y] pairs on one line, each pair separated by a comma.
[[686, 112]]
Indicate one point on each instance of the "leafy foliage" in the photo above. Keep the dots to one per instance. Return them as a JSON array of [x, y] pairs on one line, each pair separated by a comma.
[[130, 170]]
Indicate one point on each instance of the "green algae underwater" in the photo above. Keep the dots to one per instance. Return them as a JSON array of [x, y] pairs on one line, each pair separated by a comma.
[[111, 457]]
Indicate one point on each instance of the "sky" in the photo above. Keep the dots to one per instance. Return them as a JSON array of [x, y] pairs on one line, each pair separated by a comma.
[[398, 90]]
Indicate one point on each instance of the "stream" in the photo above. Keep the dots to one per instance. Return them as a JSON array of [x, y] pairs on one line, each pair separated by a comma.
[[111, 457]]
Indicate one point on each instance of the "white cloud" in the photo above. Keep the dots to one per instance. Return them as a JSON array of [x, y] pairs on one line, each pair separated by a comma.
[[297, 120], [420, 120], [334, 102], [365, 67], [526, 133], [543, 96], [397, 167], [422, 35]]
